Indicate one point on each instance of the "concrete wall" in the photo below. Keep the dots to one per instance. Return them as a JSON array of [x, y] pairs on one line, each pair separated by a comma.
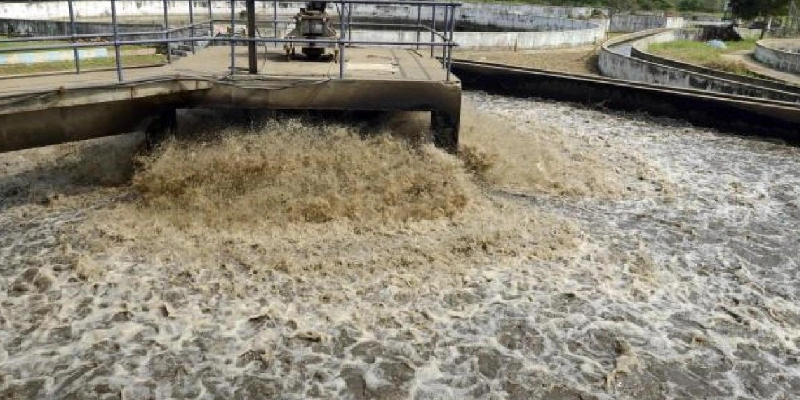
[[56, 28], [621, 66], [492, 40], [635, 23], [469, 11], [746, 116], [781, 54], [639, 50], [528, 40], [532, 30]]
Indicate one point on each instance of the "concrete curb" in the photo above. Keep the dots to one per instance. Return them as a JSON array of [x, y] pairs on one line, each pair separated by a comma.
[[776, 53], [615, 64]]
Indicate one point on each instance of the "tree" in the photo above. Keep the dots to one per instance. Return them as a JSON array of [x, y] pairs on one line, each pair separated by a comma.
[[750, 9], [620, 6]]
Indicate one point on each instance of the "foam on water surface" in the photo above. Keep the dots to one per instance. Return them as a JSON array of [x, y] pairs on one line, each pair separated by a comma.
[[666, 269]]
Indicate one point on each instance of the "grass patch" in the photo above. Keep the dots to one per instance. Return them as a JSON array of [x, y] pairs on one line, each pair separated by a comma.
[[86, 64], [700, 53]]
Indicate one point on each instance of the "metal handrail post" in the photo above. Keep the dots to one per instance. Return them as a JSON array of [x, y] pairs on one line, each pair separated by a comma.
[[450, 41], [275, 19], [210, 19], [191, 23], [166, 31], [419, 22], [116, 39], [73, 32], [341, 40], [350, 22], [433, 28], [233, 33], [445, 20], [252, 54]]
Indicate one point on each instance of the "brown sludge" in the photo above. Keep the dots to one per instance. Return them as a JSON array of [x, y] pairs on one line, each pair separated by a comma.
[[300, 195], [306, 226]]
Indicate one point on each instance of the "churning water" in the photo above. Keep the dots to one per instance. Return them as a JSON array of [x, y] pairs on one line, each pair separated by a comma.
[[662, 264]]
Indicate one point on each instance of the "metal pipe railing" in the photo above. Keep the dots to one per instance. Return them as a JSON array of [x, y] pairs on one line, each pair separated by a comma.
[[166, 30], [191, 22], [444, 51], [241, 39], [73, 31], [210, 19], [233, 33], [173, 35], [452, 27], [341, 40], [350, 22], [118, 60], [433, 28], [162, 32], [419, 22], [275, 18], [93, 35]]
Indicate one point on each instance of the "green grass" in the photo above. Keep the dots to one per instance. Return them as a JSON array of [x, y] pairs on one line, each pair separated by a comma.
[[86, 65], [699, 53]]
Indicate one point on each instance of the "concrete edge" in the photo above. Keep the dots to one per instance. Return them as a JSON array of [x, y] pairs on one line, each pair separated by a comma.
[[768, 53], [624, 67], [636, 84], [638, 51], [59, 116], [735, 114]]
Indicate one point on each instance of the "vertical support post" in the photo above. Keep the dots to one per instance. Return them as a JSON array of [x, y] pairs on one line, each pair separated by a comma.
[[350, 21], [191, 23], [444, 33], [73, 32], [445, 125], [341, 40], [164, 124], [118, 60], [419, 22], [233, 33], [210, 20], [433, 28], [166, 31], [252, 54], [275, 19], [449, 59]]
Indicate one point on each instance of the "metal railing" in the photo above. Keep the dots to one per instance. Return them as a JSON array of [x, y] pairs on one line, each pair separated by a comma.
[[178, 34]]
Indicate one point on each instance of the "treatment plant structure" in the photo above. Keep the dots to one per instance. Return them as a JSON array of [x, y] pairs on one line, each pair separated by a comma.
[[377, 64], [368, 75]]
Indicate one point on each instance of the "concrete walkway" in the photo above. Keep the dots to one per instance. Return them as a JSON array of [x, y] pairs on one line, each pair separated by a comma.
[[746, 58], [214, 62]]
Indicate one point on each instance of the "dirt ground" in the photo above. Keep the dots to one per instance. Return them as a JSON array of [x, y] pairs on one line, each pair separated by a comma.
[[575, 60]]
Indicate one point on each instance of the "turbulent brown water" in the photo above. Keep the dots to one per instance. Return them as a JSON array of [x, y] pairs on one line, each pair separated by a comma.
[[592, 255]]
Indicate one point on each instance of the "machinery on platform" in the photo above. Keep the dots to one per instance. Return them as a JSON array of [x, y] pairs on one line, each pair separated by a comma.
[[312, 22]]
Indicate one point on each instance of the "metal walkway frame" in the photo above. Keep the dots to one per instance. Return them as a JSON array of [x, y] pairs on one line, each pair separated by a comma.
[[188, 33]]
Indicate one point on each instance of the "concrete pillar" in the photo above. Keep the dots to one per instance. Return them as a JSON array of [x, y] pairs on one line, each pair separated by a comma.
[[161, 126], [445, 126], [252, 55]]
